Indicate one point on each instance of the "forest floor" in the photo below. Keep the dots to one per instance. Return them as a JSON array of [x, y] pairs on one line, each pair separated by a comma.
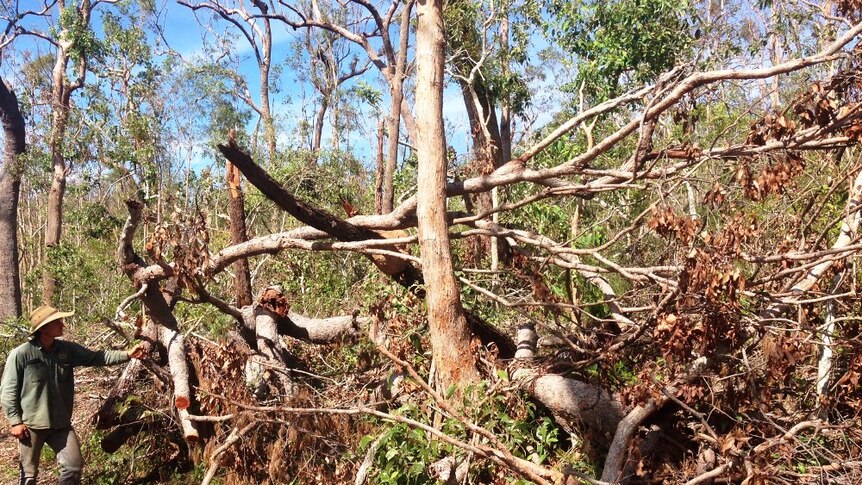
[[91, 386]]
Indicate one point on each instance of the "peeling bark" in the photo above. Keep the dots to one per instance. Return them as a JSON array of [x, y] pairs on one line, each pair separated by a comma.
[[450, 334]]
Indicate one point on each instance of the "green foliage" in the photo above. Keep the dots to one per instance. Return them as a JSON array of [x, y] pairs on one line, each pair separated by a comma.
[[621, 41], [75, 28], [94, 220], [368, 94], [137, 461], [404, 452], [470, 36]]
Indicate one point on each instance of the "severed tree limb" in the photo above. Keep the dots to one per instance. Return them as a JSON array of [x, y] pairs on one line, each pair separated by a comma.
[[158, 306], [174, 342], [190, 432], [306, 213]]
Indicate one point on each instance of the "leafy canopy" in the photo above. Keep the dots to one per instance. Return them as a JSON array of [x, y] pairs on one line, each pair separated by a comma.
[[621, 41]]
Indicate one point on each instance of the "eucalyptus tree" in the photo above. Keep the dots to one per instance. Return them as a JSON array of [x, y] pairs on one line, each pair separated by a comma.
[[75, 43], [254, 26], [450, 334], [327, 63], [14, 143]]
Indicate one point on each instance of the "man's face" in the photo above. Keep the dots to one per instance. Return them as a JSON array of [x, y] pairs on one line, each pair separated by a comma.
[[53, 329]]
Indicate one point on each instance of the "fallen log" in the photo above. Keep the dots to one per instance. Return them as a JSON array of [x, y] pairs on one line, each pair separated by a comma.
[[573, 403]]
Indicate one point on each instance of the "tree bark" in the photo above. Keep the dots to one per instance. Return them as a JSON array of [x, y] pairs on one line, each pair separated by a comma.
[[318, 127], [61, 94], [264, 64], [60, 102], [238, 234], [381, 169], [450, 335], [10, 186], [393, 123], [573, 403]]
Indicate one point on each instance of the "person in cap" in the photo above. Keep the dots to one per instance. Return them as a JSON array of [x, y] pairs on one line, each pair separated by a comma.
[[37, 392]]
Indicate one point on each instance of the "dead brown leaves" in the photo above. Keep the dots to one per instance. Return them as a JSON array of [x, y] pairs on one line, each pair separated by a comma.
[[184, 236], [274, 301], [849, 8], [817, 107], [774, 178], [771, 127], [667, 224], [705, 319]]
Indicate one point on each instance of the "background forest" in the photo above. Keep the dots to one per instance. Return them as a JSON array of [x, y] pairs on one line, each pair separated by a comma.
[[450, 242]]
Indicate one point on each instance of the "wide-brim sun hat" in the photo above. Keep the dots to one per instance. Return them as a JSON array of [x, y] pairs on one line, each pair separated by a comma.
[[44, 315]]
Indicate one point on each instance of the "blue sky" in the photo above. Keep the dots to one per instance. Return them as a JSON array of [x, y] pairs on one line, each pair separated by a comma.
[[184, 34]]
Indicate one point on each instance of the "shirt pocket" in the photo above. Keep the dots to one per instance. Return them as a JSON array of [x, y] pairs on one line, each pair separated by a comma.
[[36, 371], [64, 372]]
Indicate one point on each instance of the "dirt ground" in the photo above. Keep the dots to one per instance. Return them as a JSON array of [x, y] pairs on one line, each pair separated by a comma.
[[92, 385]]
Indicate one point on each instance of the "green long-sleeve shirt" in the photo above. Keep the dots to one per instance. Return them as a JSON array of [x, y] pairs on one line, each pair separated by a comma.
[[38, 386]]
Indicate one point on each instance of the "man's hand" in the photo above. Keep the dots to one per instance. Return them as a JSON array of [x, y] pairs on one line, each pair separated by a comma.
[[19, 431], [138, 351]]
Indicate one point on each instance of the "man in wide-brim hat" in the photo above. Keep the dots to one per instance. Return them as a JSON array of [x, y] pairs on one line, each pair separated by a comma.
[[37, 393]]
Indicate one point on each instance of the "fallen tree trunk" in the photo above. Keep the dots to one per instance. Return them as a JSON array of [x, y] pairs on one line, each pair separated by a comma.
[[317, 218], [571, 402]]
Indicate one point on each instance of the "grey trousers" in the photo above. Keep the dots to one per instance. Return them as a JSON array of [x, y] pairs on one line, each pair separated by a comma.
[[65, 444]]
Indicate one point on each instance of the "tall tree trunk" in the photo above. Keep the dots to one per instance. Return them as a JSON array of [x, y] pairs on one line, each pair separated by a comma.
[[393, 127], [61, 94], [450, 335], [505, 102], [268, 123], [378, 179], [396, 93], [318, 127], [60, 106], [264, 64], [10, 185]]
